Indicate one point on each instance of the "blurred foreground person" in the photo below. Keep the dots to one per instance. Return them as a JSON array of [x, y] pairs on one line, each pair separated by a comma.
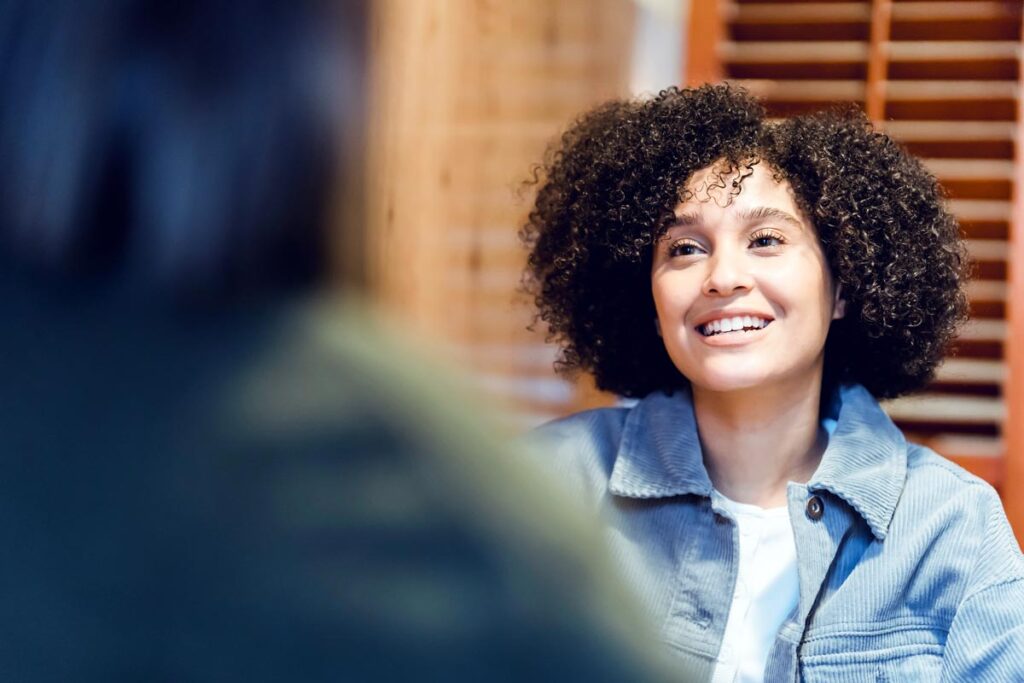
[[210, 472]]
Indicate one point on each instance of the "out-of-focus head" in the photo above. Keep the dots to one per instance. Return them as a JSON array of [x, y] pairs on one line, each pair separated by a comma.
[[189, 147]]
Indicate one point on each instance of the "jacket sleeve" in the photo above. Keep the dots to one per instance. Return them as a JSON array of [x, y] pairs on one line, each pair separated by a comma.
[[986, 638]]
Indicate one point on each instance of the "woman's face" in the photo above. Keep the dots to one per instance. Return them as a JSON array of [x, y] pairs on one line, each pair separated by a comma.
[[743, 293]]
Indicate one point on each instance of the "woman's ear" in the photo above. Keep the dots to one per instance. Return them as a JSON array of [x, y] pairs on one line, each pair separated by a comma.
[[838, 304]]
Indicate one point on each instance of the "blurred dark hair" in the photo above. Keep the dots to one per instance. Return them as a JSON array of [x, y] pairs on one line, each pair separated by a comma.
[[182, 146]]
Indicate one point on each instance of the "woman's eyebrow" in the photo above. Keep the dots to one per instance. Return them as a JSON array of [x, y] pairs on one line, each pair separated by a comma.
[[767, 212], [753, 214], [685, 219]]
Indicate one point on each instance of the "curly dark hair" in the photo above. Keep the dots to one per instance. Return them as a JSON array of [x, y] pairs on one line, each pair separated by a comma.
[[607, 192]]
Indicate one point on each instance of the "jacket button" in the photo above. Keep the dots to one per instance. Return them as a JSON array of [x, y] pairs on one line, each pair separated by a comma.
[[815, 508]]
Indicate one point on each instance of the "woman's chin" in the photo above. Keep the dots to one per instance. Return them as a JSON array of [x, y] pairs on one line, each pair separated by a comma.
[[729, 383], [724, 376]]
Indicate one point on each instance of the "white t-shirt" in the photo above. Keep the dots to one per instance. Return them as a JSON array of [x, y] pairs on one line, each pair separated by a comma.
[[767, 591]]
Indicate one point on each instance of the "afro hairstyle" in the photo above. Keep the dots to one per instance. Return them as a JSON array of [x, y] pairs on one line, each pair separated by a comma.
[[607, 191]]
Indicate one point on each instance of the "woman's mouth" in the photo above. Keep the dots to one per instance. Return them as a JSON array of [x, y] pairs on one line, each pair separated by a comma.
[[740, 323]]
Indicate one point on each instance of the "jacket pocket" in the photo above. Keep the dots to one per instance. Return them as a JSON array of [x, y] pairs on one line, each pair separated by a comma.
[[876, 653]]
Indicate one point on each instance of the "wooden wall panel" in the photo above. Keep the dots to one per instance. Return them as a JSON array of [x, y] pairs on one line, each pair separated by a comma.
[[465, 95]]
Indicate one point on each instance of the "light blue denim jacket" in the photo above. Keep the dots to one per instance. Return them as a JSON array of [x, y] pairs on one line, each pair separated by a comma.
[[909, 573]]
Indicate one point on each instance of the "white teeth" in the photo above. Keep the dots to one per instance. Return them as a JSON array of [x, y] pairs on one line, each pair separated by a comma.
[[733, 324]]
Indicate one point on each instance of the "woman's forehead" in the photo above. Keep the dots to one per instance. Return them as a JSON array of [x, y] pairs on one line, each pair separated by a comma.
[[736, 185], [740, 195], [747, 191]]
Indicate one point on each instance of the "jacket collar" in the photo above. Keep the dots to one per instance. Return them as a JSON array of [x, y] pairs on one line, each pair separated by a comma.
[[865, 462]]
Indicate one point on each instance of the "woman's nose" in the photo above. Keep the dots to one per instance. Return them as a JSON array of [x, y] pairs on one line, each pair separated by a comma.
[[727, 273]]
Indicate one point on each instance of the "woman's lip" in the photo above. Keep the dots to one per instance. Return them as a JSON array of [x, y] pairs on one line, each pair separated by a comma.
[[734, 338], [729, 315]]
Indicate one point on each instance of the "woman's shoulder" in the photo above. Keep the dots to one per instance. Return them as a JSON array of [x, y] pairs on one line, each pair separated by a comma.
[[941, 495], [932, 477], [599, 425], [581, 448]]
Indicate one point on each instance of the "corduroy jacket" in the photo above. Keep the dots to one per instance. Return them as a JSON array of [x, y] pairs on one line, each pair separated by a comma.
[[908, 568]]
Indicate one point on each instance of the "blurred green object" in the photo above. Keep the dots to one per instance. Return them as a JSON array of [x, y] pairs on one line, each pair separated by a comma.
[[278, 492]]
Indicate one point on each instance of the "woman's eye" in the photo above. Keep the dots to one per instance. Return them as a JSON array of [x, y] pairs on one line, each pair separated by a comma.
[[683, 249], [766, 240]]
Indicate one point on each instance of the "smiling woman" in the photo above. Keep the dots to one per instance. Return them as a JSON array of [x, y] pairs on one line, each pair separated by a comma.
[[758, 285]]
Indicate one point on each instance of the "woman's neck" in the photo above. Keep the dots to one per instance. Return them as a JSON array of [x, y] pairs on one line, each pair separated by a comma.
[[756, 441]]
